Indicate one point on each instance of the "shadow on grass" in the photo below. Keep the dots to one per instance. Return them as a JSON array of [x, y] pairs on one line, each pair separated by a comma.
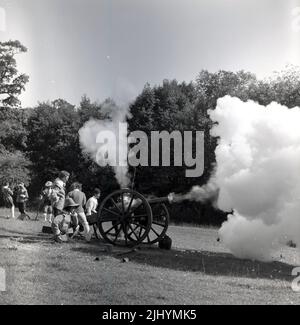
[[210, 263], [32, 218], [24, 237]]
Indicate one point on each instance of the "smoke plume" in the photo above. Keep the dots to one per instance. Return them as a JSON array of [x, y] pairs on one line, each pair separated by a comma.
[[257, 176], [207, 192], [99, 152]]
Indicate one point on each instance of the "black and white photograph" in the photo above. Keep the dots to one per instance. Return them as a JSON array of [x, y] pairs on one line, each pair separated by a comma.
[[149, 155]]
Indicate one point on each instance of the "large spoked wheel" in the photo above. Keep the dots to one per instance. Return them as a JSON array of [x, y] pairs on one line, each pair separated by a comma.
[[124, 218], [160, 223]]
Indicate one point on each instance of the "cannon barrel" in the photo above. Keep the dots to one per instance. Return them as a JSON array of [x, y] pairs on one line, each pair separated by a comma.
[[159, 200], [171, 198]]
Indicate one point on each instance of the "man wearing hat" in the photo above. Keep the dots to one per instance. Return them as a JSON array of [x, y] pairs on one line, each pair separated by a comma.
[[46, 203], [64, 221]]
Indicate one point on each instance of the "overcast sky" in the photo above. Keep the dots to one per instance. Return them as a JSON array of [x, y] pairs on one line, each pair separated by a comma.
[[111, 48]]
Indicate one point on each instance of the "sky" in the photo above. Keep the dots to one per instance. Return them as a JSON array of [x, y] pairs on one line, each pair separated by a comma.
[[112, 48]]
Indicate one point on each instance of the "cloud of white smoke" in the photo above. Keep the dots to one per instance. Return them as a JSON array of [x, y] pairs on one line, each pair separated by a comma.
[[207, 192], [114, 152], [258, 175]]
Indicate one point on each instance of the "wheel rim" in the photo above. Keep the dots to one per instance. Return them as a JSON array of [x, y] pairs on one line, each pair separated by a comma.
[[124, 218], [160, 223]]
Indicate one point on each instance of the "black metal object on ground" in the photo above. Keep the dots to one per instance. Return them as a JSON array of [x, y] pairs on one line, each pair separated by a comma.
[[165, 243], [47, 230]]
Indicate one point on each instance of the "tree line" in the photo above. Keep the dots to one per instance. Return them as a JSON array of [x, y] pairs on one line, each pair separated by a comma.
[[36, 143]]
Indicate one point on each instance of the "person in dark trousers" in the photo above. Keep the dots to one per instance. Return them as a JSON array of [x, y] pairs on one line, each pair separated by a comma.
[[79, 198], [8, 199], [22, 198]]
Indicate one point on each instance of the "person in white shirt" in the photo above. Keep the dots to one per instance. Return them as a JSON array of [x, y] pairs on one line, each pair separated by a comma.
[[92, 203], [46, 203]]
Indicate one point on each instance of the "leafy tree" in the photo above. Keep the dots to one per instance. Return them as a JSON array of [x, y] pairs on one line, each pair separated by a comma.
[[14, 164], [14, 168], [11, 82], [167, 107], [284, 86], [88, 110], [211, 86], [52, 140], [13, 129]]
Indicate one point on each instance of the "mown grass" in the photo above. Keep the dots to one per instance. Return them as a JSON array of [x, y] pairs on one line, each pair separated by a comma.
[[198, 270]]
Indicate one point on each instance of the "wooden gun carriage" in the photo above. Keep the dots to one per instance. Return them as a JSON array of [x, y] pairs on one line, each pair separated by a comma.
[[127, 218]]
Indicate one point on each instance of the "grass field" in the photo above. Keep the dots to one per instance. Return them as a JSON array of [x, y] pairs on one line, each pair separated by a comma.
[[198, 270]]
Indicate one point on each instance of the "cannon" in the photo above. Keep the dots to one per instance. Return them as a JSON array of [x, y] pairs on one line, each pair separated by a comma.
[[127, 218]]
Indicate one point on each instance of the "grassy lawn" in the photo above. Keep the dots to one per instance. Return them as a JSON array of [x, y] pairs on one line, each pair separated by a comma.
[[198, 270]]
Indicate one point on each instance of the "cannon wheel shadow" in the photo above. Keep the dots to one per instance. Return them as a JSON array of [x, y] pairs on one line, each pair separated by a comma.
[[209, 263]]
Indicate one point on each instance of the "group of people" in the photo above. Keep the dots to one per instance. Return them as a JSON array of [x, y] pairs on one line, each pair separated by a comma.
[[17, 196], [65, 210]]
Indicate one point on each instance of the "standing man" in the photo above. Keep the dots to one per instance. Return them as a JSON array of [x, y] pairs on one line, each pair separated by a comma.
[[8, 199], [46, 204], [22, 198], [59, 187], [79, 198]]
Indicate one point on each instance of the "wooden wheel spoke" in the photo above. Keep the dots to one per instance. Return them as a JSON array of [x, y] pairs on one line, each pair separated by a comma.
[[117, 235], [115, 204], [141, 228], [133, 231], [130, 203], [139, 225], [113, 227], [112, 213], [156, 233], [140, 231], [137, 207], [122, 200]]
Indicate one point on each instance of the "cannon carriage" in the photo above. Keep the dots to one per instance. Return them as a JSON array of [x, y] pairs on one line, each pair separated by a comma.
[[127, 218]]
